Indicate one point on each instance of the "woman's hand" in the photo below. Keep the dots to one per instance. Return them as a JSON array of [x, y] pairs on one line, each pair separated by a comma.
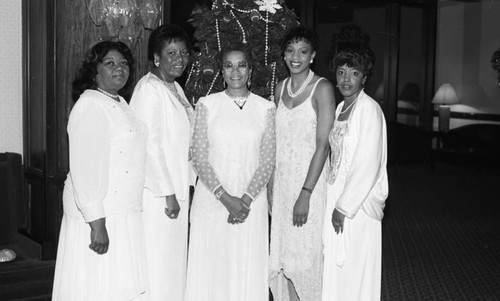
[[301, 209], [338, 221], [238, 209], [99, 240], [172, 206]]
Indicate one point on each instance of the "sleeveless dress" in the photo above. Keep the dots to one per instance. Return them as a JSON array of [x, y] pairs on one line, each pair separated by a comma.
[[296, 252]]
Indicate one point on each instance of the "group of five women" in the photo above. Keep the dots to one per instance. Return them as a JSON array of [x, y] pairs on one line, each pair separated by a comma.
[[320, 172]]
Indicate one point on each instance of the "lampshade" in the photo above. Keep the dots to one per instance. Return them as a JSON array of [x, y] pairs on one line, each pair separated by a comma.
[[445, 95]]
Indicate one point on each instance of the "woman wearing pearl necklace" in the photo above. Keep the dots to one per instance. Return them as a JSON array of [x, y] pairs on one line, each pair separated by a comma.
[[304, 117], [352, 232], [101, 254]]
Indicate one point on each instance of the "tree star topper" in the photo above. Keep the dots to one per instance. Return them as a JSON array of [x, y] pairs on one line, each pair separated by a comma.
[[268, 5]]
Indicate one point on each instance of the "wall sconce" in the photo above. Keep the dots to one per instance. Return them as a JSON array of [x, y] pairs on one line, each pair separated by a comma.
[[124, 19], [444, 97]]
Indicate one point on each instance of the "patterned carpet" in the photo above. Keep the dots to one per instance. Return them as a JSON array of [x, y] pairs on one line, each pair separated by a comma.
[[441, 234]]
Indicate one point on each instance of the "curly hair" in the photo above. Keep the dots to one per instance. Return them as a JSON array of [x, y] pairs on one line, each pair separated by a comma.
[[361, 58], [164, 35], [299, 33], [236, 46], [88, 71]]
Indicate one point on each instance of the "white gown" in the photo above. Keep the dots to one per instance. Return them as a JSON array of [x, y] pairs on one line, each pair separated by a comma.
[[296, 252], [359, 188], [107, 152], [236, 149], [168, 171]]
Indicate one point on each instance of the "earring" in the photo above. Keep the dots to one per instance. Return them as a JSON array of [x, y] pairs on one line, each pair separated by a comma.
[[224, 84], [249, 82], [311, 62], [157, 62]]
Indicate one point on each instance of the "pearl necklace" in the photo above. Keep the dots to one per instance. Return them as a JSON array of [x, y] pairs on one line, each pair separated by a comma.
[[348, 107], [113, 96], [302, 87], [239, 101]]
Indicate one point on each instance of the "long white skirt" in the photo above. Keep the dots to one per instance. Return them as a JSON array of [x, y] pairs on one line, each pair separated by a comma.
[[353, 259], [82, 274], [166, 248], [227, 262]]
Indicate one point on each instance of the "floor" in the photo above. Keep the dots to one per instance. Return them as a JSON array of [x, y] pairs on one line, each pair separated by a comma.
[[441, 238]]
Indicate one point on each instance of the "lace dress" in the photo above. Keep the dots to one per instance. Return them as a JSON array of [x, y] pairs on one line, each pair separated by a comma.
[[236, 149], [296, 252]]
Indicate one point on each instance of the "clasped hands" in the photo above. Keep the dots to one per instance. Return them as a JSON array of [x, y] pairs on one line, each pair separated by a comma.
[[238, 208]]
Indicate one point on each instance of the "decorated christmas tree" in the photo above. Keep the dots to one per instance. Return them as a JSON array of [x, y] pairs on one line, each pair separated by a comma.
[[259, 24]]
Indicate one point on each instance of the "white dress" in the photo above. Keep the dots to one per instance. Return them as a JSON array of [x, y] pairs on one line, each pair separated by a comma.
[[167, 172], [296, 252], [106, 152], [358, 189], [236, 149]]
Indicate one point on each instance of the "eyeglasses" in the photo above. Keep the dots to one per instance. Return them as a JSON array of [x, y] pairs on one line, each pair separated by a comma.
[[229, 65]]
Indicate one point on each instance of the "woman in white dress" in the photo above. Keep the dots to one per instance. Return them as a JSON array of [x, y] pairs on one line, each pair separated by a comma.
[[233, 154], [304, 117], [101, 252], [358, 177], [159, 101]]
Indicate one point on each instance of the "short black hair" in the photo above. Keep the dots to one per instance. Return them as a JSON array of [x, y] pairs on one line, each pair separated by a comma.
[[236, 46], [361, 58], [299, 33], [85, 78], [164, 35]]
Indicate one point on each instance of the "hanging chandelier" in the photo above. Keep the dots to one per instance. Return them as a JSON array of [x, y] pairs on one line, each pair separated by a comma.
[[124, 19]]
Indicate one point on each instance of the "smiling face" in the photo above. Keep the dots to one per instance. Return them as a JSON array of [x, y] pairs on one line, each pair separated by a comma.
[[173, 59], [298, 56], [350, 81], [112, 72], [236, 70]]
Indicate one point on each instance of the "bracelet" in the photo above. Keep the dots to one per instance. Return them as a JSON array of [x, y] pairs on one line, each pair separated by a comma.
[[219, 193], [307, 189]]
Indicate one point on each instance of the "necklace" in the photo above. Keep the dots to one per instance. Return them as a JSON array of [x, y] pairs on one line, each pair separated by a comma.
[[114, 96], [348, 107], [239, 101], [302, 87], [172, 88]]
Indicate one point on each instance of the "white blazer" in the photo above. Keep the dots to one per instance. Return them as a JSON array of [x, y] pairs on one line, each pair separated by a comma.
[[167, 152]]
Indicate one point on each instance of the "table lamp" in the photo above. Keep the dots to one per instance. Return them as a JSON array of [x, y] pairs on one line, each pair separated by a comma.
[[445, 96]]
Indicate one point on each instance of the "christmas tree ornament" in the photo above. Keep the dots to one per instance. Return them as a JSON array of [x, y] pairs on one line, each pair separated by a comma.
[[226, 17], [254, 16], [268, 5], [208, 68]]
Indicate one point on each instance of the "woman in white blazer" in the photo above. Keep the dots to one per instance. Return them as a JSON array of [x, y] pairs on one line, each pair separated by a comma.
[[159, 101], [352, 232]]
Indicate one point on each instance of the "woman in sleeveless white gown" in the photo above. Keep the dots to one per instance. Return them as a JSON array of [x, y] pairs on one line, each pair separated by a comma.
[[352, 231], [303, 120], [234, 155]]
